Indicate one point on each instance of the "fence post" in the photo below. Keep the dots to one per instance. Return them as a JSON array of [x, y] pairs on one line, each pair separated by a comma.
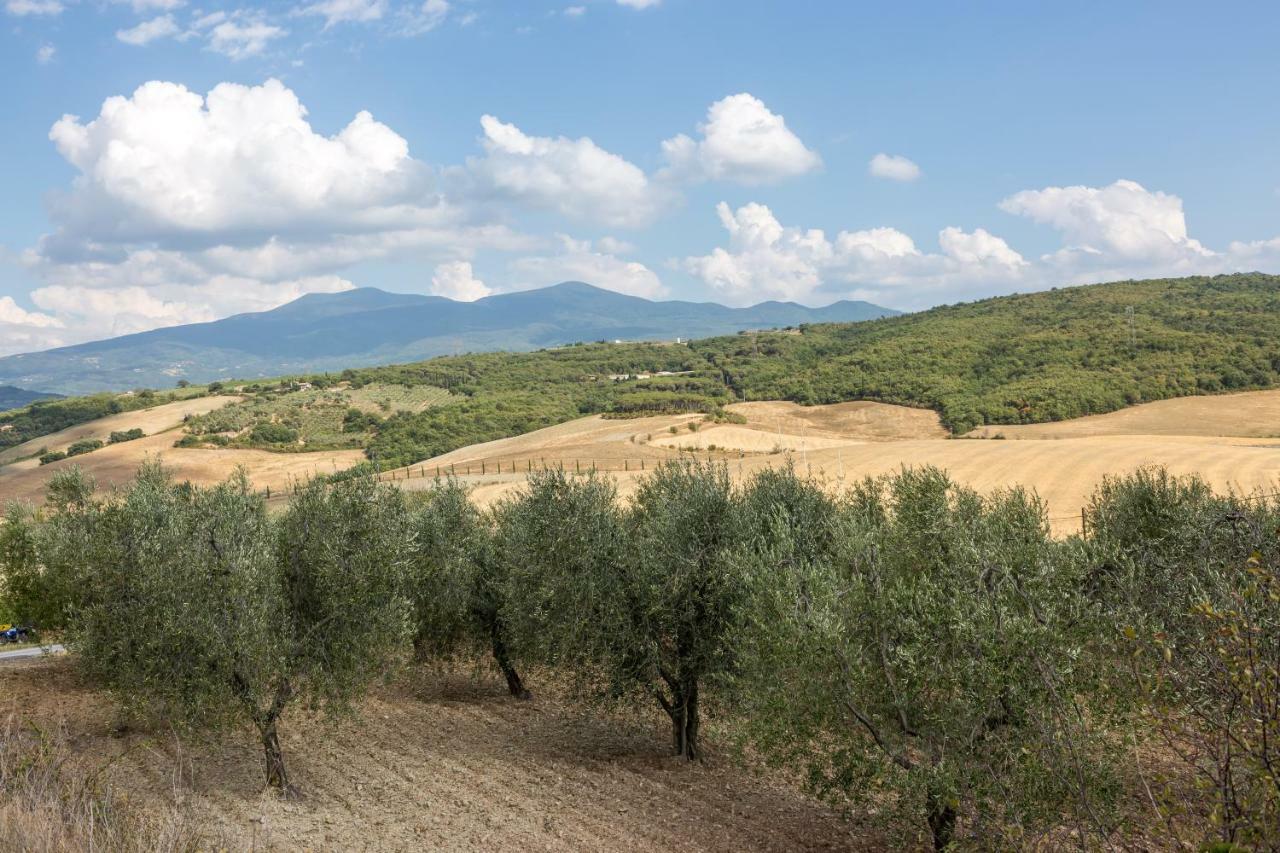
[[482, 471], [1084, 523], [577, 467]]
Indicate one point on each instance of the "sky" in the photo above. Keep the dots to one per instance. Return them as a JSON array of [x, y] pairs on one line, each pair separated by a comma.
[[176, 161]]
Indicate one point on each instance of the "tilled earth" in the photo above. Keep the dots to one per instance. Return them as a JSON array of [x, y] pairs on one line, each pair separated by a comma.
[[442, 762]]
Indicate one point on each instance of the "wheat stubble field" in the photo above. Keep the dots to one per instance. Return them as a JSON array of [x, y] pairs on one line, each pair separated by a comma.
[[1231, 440]]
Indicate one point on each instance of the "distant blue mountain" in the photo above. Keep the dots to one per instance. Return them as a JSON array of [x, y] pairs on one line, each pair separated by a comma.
[[368, 326], [16, 398]]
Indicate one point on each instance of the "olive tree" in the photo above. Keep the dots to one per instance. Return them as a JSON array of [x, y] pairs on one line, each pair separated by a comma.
[[930, 656], [201, 607], [457, 582], [643, 598], [1190, 583], [40, 561]]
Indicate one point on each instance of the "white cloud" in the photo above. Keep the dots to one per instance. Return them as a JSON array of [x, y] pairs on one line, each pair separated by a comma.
[[639, 4], [11, 313], [148, 31], [343, 11], [978, 248], [166, 161], [144, 6], [575, 11], [187, 207], [455, 280], [578, 260], [575, 177], [426, 17], [237, 40], [894, 167], [46, 53], [1123, 220], [23, 8], [741, 141], [767, 260], [110, 311]]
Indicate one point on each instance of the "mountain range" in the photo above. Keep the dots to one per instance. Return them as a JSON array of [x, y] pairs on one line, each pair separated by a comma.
[[367, 326]]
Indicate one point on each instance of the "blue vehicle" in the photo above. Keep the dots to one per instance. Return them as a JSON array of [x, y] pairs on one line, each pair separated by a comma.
[[16, 634]]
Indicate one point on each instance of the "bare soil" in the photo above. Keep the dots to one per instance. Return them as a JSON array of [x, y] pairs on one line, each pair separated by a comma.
[[444, 762]]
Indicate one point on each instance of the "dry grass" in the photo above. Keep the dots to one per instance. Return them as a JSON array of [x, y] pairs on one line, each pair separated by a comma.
[[51, 804]]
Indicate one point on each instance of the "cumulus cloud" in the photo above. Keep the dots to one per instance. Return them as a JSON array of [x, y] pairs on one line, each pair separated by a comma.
[[185, 208], [579, 260], [146, 32], [639, 4], [23, 8], [22, 330], [455, 280], [46, 53], [767, 260], [741, 141], [893, 167], [574, 177], [1124, 220]]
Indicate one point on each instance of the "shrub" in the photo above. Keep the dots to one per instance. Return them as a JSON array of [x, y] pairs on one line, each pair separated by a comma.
[[272, 433], [49, 457], [85, 445], [125, 435]]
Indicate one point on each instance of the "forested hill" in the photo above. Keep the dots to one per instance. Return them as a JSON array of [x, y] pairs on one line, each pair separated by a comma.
[[1043, 356], [1029, 358], [1013, 359]]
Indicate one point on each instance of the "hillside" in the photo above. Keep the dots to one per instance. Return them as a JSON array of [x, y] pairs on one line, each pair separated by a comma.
[[368, 327], [15, 398], [1020, 359]]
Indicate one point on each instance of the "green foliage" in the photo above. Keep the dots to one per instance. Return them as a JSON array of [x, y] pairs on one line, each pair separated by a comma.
[[643, 600], [84, 445], [1026, 358], [195, 605], [49, 457], [929, 654], [49, 416], [270, 433], [457, 583], [1190, 581], [134, 434]]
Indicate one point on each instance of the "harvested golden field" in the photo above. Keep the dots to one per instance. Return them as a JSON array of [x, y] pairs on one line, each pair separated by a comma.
[[1222, 439], [1250, 414], [117, 463], [440, 762], [150, 421]]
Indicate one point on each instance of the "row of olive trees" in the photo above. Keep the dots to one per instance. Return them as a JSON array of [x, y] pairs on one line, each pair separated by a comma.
[[912, 643]]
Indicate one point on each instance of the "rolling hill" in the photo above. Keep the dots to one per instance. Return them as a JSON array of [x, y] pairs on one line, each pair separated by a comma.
[[15, 398], [363, 327]]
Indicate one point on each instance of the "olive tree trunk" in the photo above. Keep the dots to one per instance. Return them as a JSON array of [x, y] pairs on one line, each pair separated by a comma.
[[500, 654]]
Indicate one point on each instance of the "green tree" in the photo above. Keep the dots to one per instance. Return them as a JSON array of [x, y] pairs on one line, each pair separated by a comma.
[[457, 582], [200, 607], [930, 657], [643, 600]]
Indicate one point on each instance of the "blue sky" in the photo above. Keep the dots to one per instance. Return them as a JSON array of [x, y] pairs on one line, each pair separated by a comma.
[[229, 157]]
